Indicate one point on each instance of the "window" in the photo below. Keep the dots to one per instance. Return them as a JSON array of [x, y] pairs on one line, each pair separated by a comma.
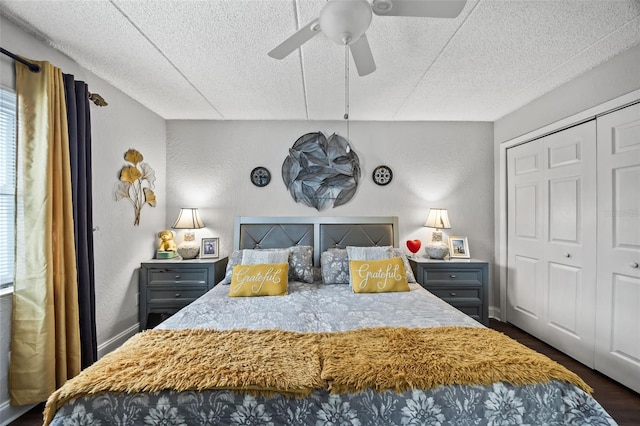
[[7, 184]]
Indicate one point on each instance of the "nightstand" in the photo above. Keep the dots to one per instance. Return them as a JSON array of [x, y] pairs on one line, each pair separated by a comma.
[[166, 286], [464, 284]]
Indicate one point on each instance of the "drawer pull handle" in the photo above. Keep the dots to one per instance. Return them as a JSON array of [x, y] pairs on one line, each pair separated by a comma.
[[177, 294], [452, 294], [634, 265], [177, 277], [452, 276], [567, 255]]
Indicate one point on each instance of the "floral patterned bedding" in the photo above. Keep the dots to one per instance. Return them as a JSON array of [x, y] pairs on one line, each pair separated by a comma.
[[318, 307]]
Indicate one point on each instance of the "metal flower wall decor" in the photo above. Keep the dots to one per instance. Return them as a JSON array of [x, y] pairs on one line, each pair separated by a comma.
[[137, 180], [321, 172]]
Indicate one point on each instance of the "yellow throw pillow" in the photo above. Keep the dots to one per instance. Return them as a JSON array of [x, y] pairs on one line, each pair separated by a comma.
[[378, 276], [267, 279]]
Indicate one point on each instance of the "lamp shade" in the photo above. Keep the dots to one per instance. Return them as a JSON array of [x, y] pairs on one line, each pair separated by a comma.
[[438, 218], [189, 218]]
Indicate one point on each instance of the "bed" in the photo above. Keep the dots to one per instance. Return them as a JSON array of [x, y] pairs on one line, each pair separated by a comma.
[[322, 354]]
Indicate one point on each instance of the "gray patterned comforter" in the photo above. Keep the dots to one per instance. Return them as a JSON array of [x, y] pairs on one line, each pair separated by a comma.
[[317, 307]]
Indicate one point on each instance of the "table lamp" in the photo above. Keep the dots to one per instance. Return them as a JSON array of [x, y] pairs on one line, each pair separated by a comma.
[[189, 219], [438, 219]]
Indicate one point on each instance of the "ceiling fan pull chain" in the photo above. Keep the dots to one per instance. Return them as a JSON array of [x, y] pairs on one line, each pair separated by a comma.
[[346, 86]]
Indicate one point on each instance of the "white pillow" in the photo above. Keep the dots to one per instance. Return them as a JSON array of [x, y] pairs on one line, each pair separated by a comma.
[[256, 257], [368, 253], [398, 252]]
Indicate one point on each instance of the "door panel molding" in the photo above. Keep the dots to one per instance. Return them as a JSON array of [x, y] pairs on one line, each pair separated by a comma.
[[618, 310], [555, 303]]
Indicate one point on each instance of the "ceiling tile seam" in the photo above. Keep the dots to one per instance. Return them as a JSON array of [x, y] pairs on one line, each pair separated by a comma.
[[296, 14], [491, 108], [436, 59], [166, 57]]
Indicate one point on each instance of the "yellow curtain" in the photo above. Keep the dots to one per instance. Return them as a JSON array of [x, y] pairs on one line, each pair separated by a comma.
[[45, 338]]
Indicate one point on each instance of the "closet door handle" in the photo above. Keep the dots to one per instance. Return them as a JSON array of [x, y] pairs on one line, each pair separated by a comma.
[[634, 265]]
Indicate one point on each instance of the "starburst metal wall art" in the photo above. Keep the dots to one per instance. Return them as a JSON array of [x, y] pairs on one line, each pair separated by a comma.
[[321, 172]]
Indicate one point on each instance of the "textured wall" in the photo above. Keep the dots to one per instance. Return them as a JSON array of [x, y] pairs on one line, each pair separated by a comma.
[[616, 77], [435, 164], [119, 246]]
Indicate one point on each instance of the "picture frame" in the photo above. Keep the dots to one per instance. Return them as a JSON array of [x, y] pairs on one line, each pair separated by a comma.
[[459, 248], [210, 248]]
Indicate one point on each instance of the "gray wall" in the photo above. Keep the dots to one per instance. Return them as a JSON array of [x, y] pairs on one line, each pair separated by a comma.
[[435, 164]]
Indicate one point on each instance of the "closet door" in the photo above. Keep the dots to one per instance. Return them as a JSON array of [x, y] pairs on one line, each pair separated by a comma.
[[618, 294], [552, 232], [526, 264]]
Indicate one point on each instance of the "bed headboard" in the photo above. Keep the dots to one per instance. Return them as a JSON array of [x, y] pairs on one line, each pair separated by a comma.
[[319, 232]]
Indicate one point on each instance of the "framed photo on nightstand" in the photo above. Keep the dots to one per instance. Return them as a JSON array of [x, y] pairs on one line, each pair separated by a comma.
[[210, 248], [459, 248]]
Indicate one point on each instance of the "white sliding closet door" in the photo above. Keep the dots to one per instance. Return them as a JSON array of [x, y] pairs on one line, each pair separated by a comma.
[[551, 236], [618, 295], [526, 264]]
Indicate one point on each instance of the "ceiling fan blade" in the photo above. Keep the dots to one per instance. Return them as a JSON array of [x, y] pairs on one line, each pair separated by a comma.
[[300, 37], [419, 8], [362, 56]]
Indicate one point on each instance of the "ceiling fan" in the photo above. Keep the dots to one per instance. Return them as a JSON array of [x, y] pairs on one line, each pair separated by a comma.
[[345, 22]]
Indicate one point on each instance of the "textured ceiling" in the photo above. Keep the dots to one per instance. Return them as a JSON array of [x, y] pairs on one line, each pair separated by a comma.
[[208, 59]]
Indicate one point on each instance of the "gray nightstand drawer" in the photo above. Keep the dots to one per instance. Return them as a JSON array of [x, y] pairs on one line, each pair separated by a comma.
[[173, 294], [450, 294], [474, 311], [470, 276], [157, 276]]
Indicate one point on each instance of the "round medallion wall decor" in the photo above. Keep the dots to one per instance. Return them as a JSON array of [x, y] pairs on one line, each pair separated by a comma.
[[321, 172], [260, 176], [382, 175]]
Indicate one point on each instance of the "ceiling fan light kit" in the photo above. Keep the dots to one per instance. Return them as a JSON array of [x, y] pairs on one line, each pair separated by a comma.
[[346, 21]]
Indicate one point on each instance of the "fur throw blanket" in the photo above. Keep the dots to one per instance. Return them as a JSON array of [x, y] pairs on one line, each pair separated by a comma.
[[291, 363]]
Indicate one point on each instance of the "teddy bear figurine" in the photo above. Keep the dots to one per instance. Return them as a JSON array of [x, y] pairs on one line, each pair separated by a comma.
[[166, 241]]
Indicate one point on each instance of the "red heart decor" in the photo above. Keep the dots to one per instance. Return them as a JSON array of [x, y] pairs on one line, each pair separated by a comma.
[[414, 245]]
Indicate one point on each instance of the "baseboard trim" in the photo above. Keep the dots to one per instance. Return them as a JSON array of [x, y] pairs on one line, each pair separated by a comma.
[[9, 413], [495, 313], [116, 341]]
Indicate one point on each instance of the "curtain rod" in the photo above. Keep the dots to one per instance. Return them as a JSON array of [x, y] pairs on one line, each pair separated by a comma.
[[32, 67], [94, 97]]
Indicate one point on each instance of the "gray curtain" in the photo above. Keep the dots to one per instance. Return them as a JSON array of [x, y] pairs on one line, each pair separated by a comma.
[[79, 121]]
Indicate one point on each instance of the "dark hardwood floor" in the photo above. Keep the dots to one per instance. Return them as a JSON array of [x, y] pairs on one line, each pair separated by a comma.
[[621, 403]]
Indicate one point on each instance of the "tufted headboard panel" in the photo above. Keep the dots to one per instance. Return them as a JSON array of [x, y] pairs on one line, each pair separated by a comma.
[[275, 235], [319, 232], [356, 234]]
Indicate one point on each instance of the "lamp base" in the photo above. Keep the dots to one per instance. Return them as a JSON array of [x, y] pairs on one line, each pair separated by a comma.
[[189, 248], [437, 249]]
